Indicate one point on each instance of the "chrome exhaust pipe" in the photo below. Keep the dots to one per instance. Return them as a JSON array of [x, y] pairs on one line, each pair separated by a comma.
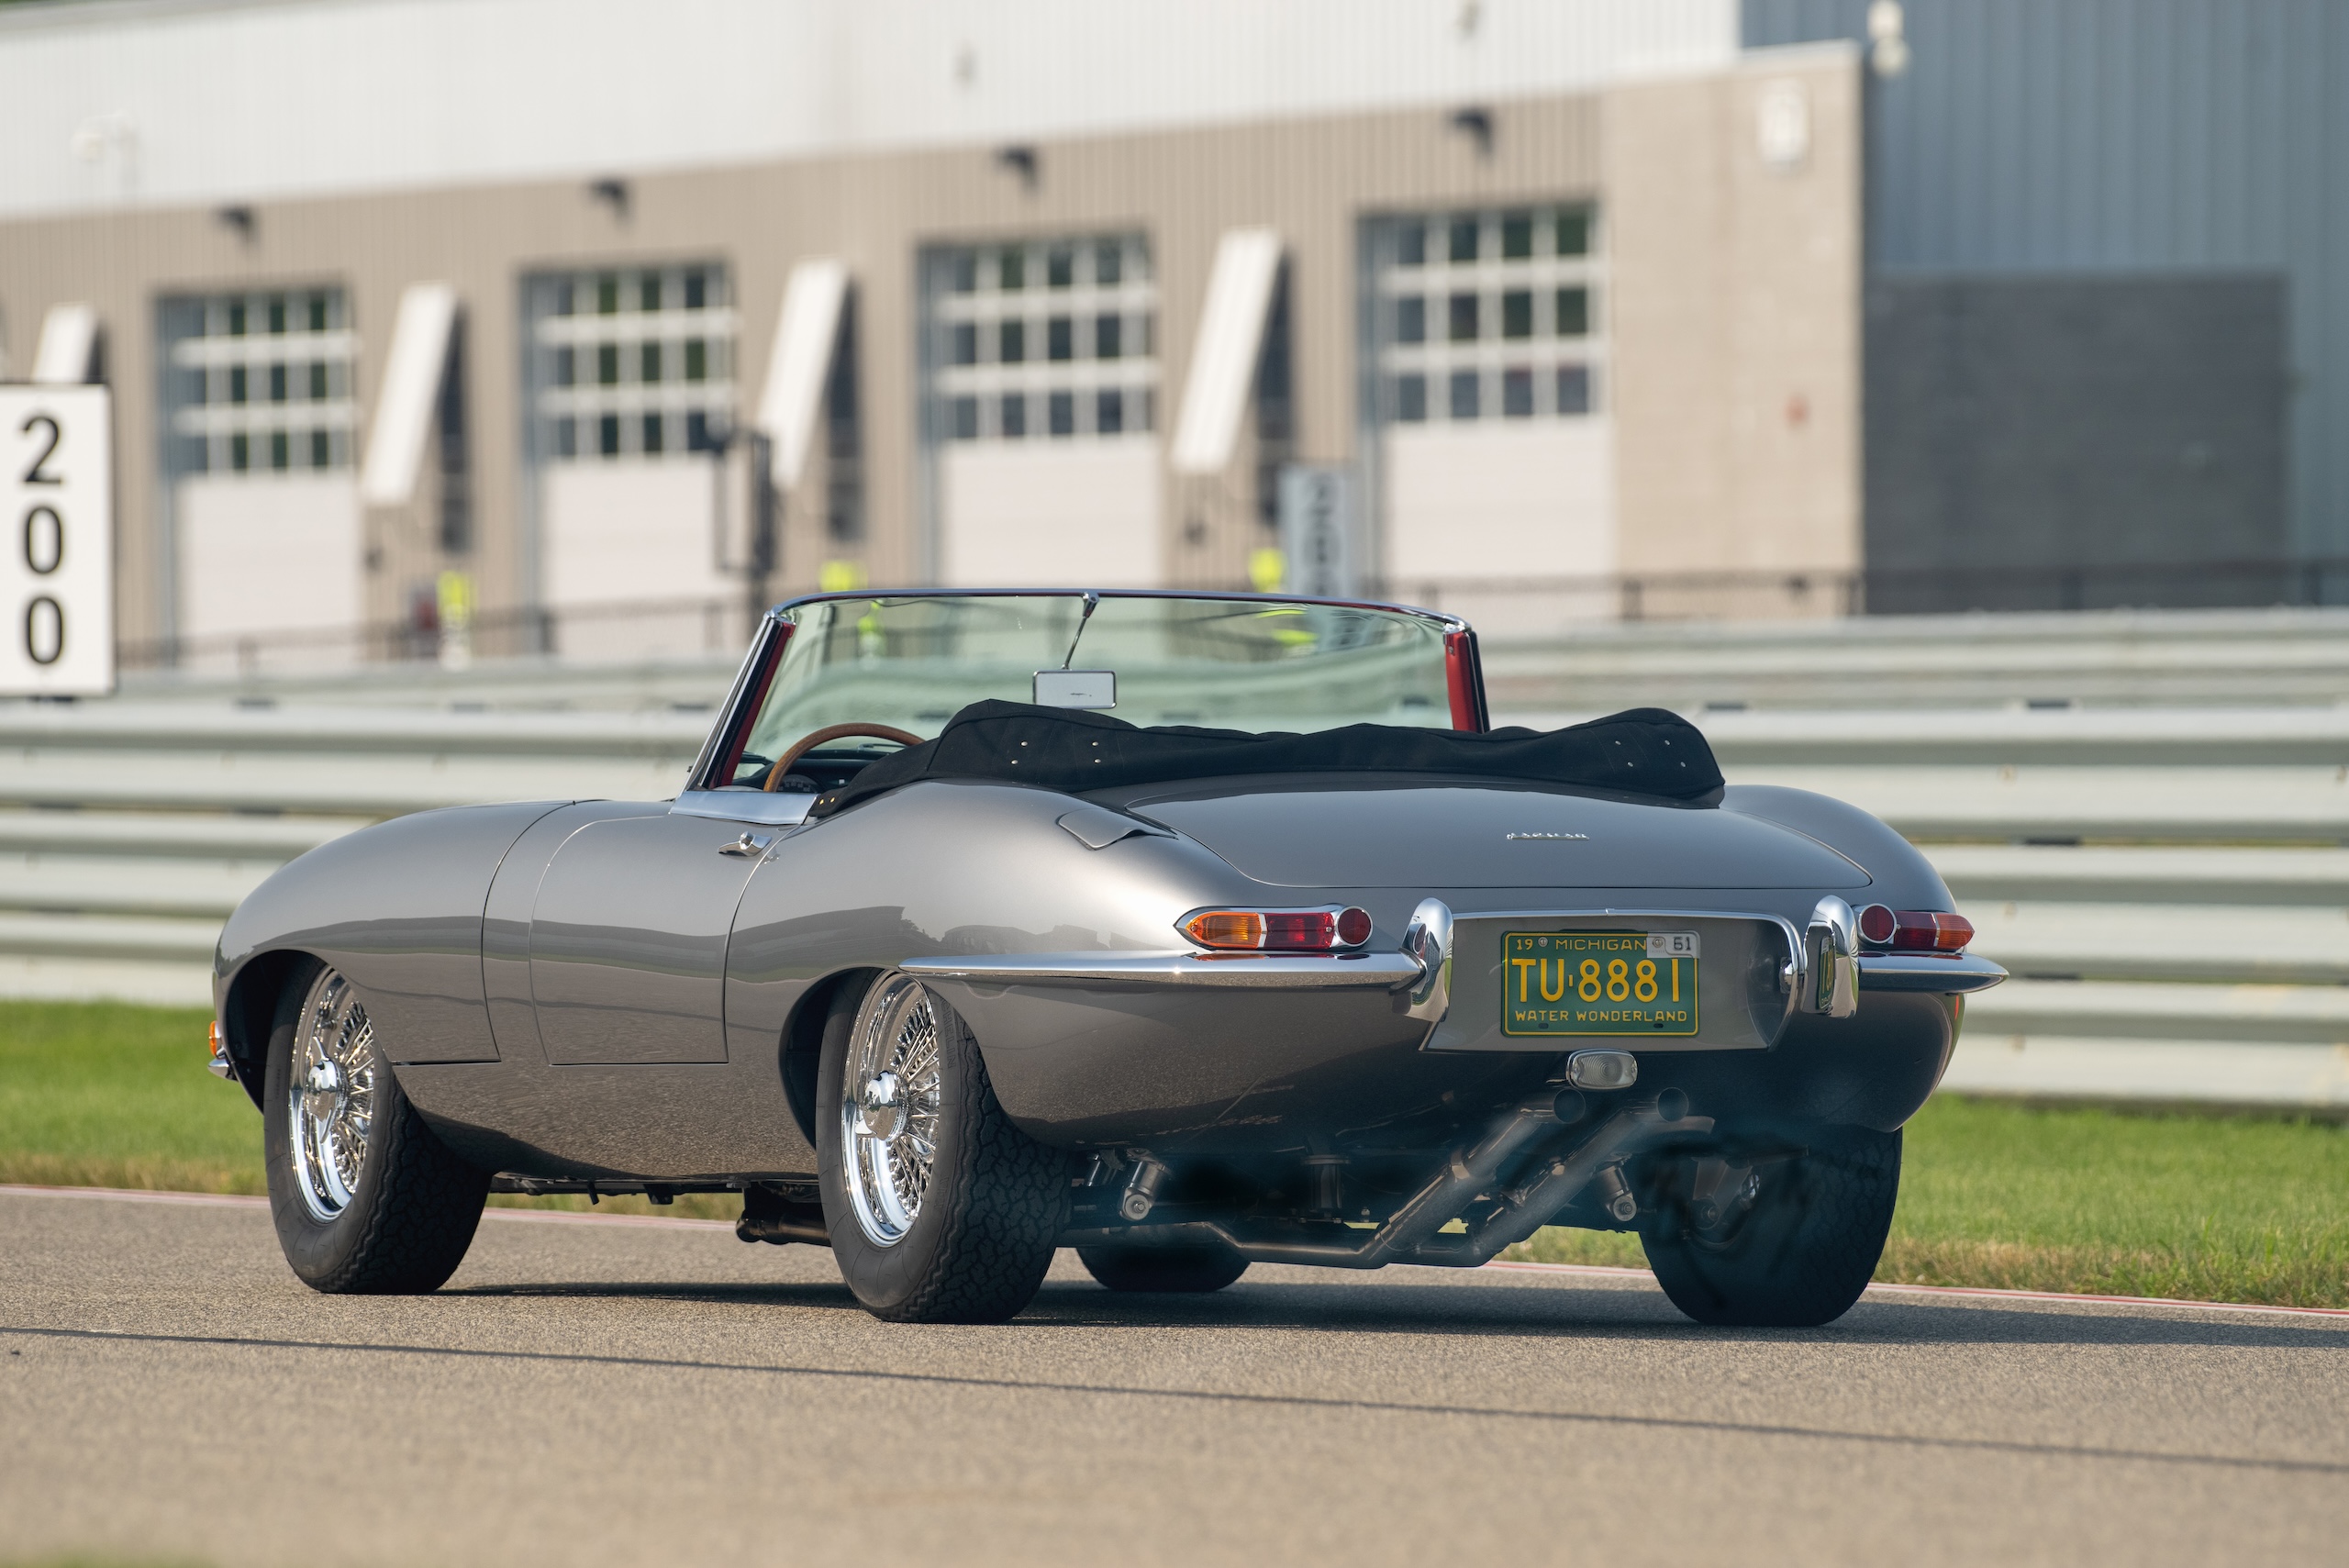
[[1413, 1233], [1467, 1173], [1597, 1163]]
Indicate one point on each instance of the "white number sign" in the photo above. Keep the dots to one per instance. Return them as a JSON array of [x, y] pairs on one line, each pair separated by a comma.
[[56, 550]]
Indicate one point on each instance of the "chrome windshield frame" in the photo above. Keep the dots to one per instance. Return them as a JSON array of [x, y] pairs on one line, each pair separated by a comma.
[[1448, 623], [774, 629]]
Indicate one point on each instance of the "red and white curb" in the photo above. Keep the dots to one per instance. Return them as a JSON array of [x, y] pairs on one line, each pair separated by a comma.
[[1590, 1271]]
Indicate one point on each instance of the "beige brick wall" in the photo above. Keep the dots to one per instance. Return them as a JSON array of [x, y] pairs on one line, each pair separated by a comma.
[[1735, 289], [1736, 322]]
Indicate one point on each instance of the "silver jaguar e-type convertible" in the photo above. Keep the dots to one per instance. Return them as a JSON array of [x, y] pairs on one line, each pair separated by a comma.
[[1187, 932]]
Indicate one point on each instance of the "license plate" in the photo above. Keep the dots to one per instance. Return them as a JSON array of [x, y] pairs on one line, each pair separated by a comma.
[[1582, 983]]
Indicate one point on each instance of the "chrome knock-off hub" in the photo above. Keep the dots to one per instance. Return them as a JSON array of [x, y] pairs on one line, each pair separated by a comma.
[[884, 1106]]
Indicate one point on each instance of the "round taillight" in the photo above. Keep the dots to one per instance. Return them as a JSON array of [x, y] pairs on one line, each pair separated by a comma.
[[1878, 924], [1353, 927]]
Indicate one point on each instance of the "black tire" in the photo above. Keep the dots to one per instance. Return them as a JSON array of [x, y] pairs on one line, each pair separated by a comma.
[[974, 1247], [1172, 1271], [1804, 1252], [402, 1226]]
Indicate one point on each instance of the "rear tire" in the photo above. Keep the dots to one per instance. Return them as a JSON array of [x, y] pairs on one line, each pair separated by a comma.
[[366, 1200], [940, 1209], [1171, 1271], [1806, 1250]]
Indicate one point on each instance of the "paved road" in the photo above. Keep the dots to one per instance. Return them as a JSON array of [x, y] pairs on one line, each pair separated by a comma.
[[587, 1394]]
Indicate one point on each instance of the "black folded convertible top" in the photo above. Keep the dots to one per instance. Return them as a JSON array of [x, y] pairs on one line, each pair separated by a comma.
[[1646, 750]]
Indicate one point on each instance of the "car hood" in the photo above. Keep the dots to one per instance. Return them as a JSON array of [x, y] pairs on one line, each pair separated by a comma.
[[1473, 835]]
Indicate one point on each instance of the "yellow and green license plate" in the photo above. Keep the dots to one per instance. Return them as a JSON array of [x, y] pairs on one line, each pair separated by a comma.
[[1574, 983]]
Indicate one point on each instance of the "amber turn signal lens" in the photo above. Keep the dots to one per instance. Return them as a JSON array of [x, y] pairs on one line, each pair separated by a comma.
[[1278, 930], [1225, 928]]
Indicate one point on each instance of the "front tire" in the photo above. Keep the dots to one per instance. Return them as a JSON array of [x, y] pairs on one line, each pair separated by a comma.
[[940, 1209], [1171, 1271], [366, 1200], [1804, 1252]]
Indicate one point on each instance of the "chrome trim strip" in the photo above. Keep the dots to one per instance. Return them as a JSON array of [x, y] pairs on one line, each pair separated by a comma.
[[1449, 622], [1234, 972], [777, 810], [1948, 974]]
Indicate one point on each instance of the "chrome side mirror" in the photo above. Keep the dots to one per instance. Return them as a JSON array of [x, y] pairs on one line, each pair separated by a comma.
[[1428, 943], [1832, 965]]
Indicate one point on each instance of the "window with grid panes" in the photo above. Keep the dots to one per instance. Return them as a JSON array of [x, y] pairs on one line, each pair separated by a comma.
[[1042, 341], [629, 361], [1485, 315], [259, 382]]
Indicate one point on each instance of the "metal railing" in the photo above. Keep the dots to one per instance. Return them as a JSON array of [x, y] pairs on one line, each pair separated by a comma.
[[1799, 592], [2168, 884], [616, 629], [1504, 608]]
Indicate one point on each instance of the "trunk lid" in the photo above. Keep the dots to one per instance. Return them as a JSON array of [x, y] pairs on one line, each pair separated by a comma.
[[1310, 835]]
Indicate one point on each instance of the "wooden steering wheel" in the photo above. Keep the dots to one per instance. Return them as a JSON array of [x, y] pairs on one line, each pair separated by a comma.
[[807, 743]]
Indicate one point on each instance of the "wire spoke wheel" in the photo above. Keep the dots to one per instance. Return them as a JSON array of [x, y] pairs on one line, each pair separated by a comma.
[[889, 1111], [365, 1197], [330, 1096]]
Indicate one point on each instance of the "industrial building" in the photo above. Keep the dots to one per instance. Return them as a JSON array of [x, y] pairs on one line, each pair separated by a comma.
[[581, 329]]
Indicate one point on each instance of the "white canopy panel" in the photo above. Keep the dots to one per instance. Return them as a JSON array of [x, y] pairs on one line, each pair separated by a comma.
[[162, 104], [1223, 360], [411, 385]]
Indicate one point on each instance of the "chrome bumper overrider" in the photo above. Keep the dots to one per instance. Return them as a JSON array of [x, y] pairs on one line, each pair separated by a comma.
[[1944, 972], [1237, 972]]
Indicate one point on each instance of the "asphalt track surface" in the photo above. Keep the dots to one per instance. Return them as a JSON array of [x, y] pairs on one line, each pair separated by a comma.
[[659, 1392]]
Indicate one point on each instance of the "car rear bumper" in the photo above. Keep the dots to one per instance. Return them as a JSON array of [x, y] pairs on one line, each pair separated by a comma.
[[1948, 974], [1177, 1049], [1185, 971]]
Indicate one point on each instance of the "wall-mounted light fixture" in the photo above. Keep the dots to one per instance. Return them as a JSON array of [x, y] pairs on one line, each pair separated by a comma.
[[238, 218], [1021, 160], [1475, 122], [1887, 38], [613, 193]]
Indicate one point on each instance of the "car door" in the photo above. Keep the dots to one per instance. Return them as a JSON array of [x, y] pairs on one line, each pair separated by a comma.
[[628, 936]]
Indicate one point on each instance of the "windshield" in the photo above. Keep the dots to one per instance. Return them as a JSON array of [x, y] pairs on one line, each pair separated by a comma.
[[911, 661]]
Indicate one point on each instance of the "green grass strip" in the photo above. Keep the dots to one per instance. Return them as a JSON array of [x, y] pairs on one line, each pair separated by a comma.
[[2103, 1202]]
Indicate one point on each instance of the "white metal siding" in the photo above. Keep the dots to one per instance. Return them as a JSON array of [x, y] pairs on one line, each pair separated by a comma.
[[145, 102]]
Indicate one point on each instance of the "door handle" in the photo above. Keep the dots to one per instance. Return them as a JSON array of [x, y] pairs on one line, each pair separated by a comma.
[[750, 846]]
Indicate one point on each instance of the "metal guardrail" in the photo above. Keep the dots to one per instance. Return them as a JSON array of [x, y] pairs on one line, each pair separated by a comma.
[[2177, 659], [2168, 882]]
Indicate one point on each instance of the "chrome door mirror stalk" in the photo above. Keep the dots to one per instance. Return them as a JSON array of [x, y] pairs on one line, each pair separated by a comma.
[[1428, 943], [1831, 946]]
